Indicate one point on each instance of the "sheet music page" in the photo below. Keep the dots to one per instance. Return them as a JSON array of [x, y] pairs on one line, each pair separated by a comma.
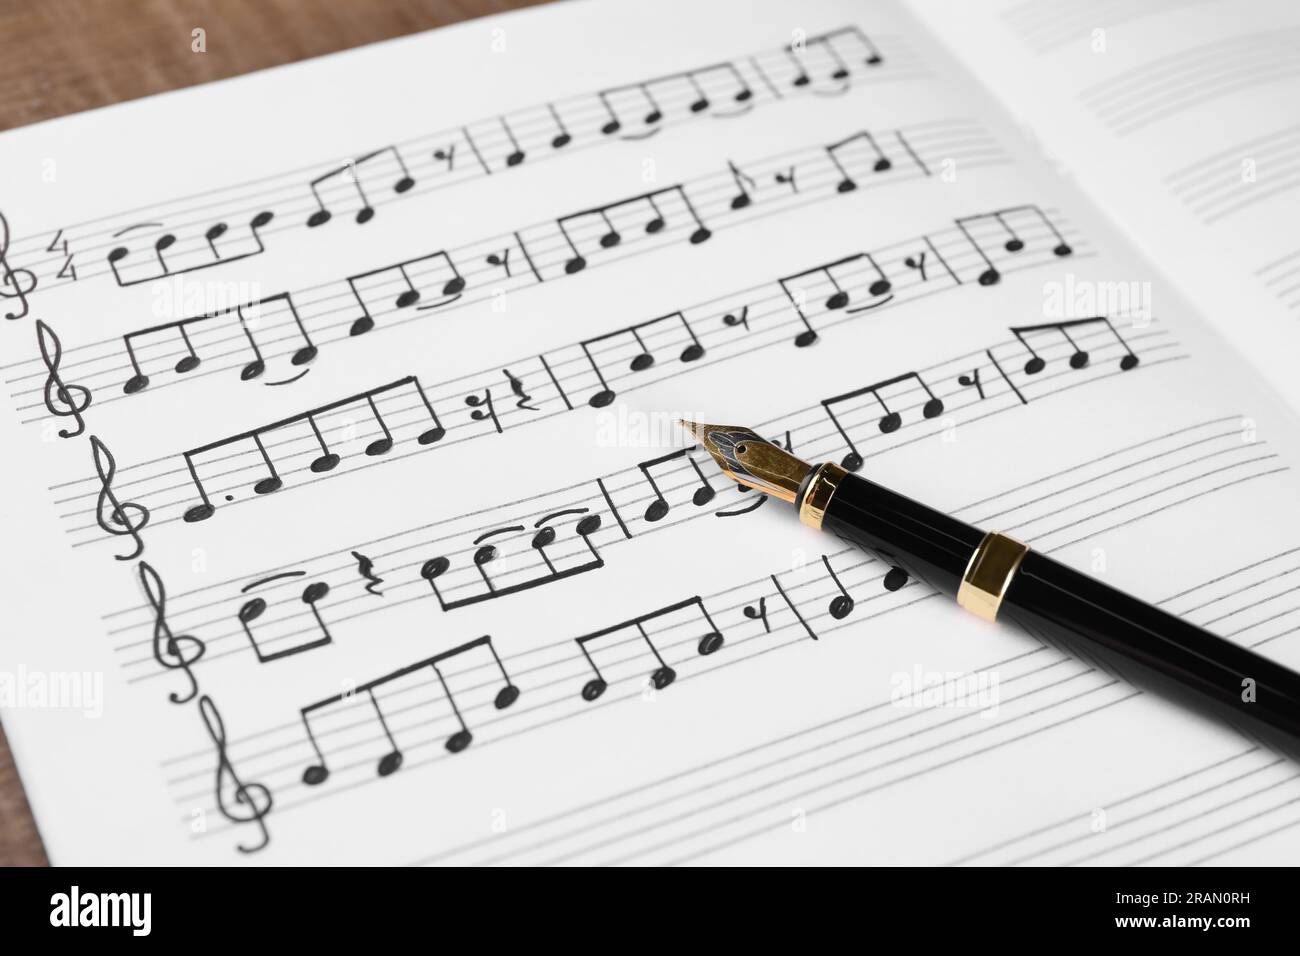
[[346, 518], [1178, 120]]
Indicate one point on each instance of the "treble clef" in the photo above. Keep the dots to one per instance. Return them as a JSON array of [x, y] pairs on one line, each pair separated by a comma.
[[22, 281], [62, 400], [253, 800], [171, 651], [118, 520]]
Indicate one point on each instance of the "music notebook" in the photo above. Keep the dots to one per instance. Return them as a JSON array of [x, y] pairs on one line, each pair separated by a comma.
[[346, 516]]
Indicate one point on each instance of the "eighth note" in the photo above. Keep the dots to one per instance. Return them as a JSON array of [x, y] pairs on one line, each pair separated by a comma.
[[352, 170], [318, 772], [841, 605]]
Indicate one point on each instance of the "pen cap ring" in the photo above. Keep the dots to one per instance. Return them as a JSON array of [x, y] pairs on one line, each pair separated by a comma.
[[817, 494], [989, 573]]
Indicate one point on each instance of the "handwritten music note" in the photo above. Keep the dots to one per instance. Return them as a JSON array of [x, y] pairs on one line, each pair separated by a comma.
[[659, 508], [516, 155], [412, 276], [352, 173], [252, 801], [841, 606], [663, 675], [1079, 357], [327, 460], [254, 608], [487, 551], [828, 44], [611, 236], [889, 422], [60, 399], [318, 772], [251, 369], [211, 254], [617, 100], [1004, 234], [171, 651], [745, 187], [562, 136], [796, 290], [880, 163], [642, 358], [119, 517], [14, 283]]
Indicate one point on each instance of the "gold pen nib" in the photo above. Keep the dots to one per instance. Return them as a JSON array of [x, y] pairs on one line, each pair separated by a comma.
[[750, 459]]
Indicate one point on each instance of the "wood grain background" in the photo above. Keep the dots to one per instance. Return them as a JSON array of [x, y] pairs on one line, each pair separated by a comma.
[[64, 56]]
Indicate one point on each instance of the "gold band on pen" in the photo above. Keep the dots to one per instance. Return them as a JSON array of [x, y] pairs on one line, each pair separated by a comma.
[[989, 573], [821, 488]]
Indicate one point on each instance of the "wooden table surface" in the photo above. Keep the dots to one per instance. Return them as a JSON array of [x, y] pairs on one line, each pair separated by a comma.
[[64, 56]]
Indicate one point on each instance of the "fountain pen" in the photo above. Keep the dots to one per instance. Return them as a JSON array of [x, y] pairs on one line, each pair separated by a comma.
[[991, 575]]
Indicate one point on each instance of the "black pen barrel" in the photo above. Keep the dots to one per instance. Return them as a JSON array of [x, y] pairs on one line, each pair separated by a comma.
[[934, 546], [1060, 602], [1064, 602]]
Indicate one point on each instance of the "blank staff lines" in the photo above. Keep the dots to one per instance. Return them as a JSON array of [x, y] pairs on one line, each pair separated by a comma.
[[1048, 26], [828, 764], [992, 518], [1200, 838], [865, 791], [1224, 577], [1282, 277], [1182, 501], [1235, 179], [1172, 805], [1254, 839], [1165, 87], [1073, 818], [1142, 498]]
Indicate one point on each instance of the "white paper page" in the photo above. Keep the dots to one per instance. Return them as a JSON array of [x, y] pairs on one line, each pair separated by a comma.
[[1178, 119], [284, 678]]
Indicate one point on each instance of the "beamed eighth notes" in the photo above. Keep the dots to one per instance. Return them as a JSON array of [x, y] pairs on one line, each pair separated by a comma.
[[641, 651], [146, 248], [405, 414], [474, 560], [295, 326]]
